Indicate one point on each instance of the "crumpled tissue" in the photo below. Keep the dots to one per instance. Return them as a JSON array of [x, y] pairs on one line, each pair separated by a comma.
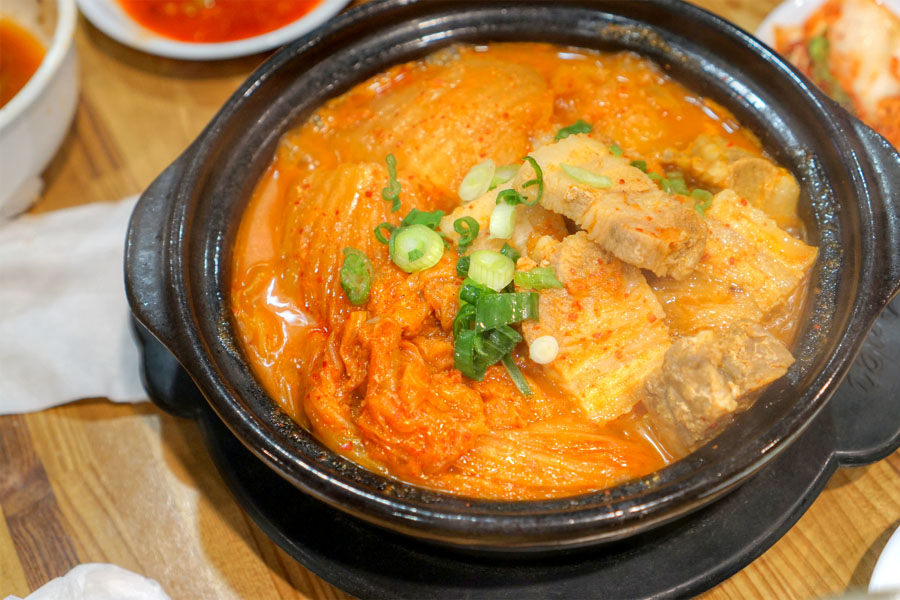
[[65, 329], [98, 581]]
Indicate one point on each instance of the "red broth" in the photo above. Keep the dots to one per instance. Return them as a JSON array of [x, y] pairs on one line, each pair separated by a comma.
[[211, 21], [21, 54]]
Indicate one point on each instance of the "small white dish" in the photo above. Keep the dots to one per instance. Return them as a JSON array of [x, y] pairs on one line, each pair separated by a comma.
[[34, 122], [795, 12], [109, 17], [886, 576]]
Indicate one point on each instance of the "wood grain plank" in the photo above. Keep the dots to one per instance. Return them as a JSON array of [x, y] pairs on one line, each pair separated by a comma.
[[32, 515], [12, 575]]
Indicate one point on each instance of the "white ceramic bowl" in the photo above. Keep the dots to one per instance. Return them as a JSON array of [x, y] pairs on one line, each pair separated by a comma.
[[34, 123], [112, 20]]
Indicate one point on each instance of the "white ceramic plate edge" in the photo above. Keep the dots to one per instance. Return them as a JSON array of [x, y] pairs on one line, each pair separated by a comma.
[[112, 20]]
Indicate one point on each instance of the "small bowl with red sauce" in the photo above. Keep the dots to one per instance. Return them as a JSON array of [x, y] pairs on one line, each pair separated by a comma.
[[38, 93], [207, 29]]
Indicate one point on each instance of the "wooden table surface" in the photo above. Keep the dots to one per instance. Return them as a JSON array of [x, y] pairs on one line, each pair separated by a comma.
[[127, 484]]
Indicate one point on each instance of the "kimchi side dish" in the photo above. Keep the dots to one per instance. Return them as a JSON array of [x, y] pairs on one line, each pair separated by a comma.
[[851, 49], [519, 271]]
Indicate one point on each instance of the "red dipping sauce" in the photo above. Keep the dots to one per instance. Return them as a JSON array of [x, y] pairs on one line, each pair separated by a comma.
[[211, 21]]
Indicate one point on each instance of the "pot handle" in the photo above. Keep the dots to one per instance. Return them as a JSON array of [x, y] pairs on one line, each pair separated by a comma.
[[147, 285], [884, 161]]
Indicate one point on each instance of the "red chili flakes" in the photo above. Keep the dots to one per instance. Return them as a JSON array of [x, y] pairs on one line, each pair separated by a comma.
[[817, 327], [619, 355], [730, 260], [346, 447], [743, 202], [730, 144], [621, 182], [639, 229], [651, 317], [368, 193], [649, 218]]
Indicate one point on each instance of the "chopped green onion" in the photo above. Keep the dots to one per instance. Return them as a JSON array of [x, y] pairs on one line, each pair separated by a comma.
[[494, 310], [510, 252], [511, 197], [477, 181], [678, 186], [462, 266], [491, 269], [539, 278], [616, 150], [467, 228], [703, 201], [416, 248], [392, 191], [465, 318], [464, 354], [356, 276], [503, 221], [587, 177], [516, 375], [818, 48], [578, 126], [538, 181], [640, 164], [543, 349], [470, 291], [503, 174], [419, 217], [380, 236]]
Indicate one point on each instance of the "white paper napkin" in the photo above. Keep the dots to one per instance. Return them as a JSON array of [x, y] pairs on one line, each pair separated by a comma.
[[65, 332], [97, 581]]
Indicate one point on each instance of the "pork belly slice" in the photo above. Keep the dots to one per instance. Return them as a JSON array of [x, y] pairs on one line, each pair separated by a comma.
[[772, 189], [607, 321], [750, 267], [633, 219], [532, 223], [705, 378]]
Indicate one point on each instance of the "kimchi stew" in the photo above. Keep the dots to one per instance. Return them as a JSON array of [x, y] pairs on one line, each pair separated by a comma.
[[519, 271]]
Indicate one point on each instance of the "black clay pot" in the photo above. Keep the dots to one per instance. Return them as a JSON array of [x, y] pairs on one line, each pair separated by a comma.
[[181, 234]]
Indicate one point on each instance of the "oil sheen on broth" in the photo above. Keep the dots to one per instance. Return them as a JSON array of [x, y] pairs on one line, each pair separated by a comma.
[[666, 248]]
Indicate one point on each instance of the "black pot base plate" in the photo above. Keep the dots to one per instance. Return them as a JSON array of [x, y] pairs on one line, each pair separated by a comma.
[[860, 424]]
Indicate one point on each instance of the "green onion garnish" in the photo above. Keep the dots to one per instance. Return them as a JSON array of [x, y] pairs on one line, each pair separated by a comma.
[[640, 164], [616, 150], [356, 276], [678, 186], [416, 248], [503, 174], [465, 318], [511, 197], [392, 191], [380, 228], [516, 375], [703, 200], [419, 217], [467, 228], [539, 278], [503, 221], [491, 269], [538, 181], [510, 252], [470, 291], [477, 181], [494, 310], [578, 126], [587, 177], [462, 266]]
